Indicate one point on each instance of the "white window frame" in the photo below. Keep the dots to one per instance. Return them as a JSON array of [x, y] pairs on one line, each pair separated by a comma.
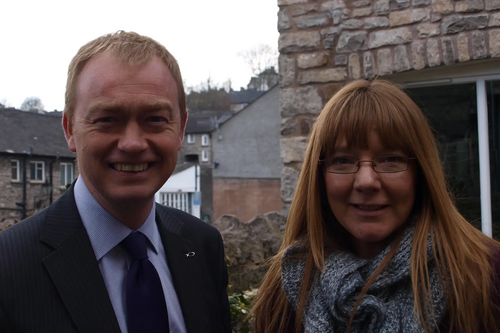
[[72, 176], [18, 170], [191, 139], [205, 156], [179, 200], [37, 164], [204, 140]]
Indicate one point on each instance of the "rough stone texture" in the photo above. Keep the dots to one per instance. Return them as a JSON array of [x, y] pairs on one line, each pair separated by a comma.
[[351, 42], [463, 47], [368, 65], [298, 41], [323, 75], [332, 5], [448, 56], [290, 2], [289, 126], [408, 16], [389, 37], [478, 45], [293, 149], [428, 30], [287, 70], [310, 60], [340, 59], [381, 7], [352, 24], [384, 62], [492, 4], [289, 179], [376, 22], [284, 22], [433, 54], [361, 12], [329, 36], [295, 101], [442, 7], [435, 18], [304, 9], [455, 23], [494, 20], [354, 66], [318, 20], [494, 43], [469, 6], [248, 245], [398, 4], [305, 126], [361, 3], [401, 62], [418, 55], [417, 3]]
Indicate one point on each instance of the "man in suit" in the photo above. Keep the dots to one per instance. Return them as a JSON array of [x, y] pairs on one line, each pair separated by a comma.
[[68, 268]]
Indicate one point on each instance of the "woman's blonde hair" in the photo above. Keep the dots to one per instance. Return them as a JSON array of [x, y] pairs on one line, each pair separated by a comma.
[[464, 251]]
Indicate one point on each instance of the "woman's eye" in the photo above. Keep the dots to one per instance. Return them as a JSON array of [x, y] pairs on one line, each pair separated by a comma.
[[342, 160], [393, 159]]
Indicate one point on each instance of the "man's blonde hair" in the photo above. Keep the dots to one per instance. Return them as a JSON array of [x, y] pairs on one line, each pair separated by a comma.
[[126, 47]]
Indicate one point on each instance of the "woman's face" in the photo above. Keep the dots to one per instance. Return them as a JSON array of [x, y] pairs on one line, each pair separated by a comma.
[[371, 206]]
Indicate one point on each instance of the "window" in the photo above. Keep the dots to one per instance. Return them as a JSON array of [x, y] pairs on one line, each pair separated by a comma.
[[37, 171], [66, 173], [204, 155], [190, 138], [16, 170], [179, 200], [204, 140]]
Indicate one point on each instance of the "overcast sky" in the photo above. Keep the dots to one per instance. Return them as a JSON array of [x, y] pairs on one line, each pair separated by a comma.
[[39, 39]]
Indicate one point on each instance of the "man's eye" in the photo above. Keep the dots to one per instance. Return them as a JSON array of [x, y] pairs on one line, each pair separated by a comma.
[[104, 120], [156, 119]]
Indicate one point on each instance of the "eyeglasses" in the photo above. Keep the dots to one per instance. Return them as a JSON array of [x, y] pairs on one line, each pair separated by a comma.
[[384, 164]]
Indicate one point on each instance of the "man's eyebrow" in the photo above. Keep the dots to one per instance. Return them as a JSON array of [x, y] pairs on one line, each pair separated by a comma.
[[155, 106]]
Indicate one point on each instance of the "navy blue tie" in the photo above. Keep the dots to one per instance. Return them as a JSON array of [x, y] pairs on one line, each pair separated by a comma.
[[145, 301]]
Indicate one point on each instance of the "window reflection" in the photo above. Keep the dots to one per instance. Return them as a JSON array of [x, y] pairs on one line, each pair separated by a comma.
[[493, 98]]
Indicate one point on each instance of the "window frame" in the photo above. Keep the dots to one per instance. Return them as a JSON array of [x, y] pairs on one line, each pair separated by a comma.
[[205, 155], [191, 139], [66, 165], [18, 170], [205, 140], [35, 180]]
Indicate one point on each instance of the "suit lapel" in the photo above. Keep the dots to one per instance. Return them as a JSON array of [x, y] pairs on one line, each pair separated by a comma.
[[74, 269], [185, 262]]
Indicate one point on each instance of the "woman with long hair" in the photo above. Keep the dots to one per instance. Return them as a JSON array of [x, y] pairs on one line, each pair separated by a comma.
[[373, 241]]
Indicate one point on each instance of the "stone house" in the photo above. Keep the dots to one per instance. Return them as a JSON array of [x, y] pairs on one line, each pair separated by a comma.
[[247, 162], [445, 53], [35, 163]]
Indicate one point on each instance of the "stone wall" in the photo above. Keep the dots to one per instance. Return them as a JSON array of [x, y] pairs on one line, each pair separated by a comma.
[[324, 44]]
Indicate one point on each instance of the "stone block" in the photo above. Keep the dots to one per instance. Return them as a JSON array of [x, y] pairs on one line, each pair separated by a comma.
[[457, 23], [351, 42], [361, 3], [310, 60], [293, 149], [332, 5], [381, 7], [368, 65], [435, 17], [478, 45], [418, 55], [305, 126], [494, 43], [310, 21], [384, 62], [469, 6], [433, 53], [448, 54], [289, 180], [290, 2], [352, 24], [328, 43], [304, 9], [408, 16], [442, 7], [428, 30], [361, 12], [289, 126], [323, 75], [494, 20], [492, 4], [284, 21], [301, 41], [340, 59], [330, 32], [401, 62], [463, 47], [389, 37], [304, 100], [418, 3], [376, 22], [398, 4], [354, 66], [287, 70]]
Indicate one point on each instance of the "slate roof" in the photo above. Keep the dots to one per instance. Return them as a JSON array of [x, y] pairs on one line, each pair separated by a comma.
[[244, 96], [32, 132], [206, 121]]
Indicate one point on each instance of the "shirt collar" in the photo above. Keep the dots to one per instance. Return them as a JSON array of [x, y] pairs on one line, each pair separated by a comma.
[[104, 230]]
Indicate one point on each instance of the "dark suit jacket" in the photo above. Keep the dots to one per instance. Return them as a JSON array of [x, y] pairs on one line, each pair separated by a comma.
[[50, 279]]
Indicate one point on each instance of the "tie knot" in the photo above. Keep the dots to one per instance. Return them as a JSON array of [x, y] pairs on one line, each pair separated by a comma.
[[136, 245]]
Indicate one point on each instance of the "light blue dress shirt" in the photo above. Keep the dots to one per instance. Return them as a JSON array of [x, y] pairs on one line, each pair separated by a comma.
[[106, 233]]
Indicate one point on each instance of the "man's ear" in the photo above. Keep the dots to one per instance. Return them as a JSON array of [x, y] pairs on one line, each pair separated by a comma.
[[183, 128], [68, 133]]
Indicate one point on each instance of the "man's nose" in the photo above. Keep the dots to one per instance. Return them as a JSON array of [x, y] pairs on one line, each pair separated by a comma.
[[366, 179], [133, 139]]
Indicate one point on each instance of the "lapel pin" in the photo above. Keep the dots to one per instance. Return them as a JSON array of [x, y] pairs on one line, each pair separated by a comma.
[[190, 254]]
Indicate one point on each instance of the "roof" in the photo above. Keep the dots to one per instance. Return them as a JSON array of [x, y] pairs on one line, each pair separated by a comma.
[[244, 96], [36, 133], [206, 121]]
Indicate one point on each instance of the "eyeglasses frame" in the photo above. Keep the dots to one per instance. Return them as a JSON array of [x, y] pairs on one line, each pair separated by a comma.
[[358, 164]]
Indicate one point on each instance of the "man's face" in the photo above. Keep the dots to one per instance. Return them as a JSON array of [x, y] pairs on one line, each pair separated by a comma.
[[126, 130]]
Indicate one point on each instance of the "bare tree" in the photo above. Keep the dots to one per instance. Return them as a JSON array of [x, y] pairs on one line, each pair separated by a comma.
[[260, 57], [32, 104]]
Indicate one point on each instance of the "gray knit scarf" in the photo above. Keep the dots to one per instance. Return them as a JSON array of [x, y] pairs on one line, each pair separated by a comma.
[[387, 307]]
